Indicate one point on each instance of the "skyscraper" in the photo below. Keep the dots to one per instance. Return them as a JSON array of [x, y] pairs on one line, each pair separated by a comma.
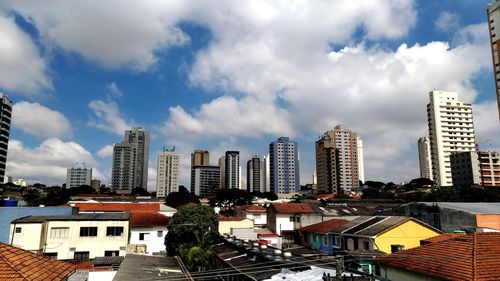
[[361, 160], [222, 166], [284, 166], [5, 114], [451, 129], [130, 160], [424, 157], [199, 158], [327, 166], [167, 175], [256, 177], [232, 169], [78, 175], [494, 25]]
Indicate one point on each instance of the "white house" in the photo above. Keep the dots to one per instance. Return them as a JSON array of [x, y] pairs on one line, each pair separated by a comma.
[[290, 216], [147, 233], [79, 237], [253, 212]]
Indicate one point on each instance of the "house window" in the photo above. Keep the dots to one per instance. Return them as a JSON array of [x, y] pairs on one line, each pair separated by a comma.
[[114, 231], [51, 255], [337, 240], [325, 240], [18, 230], [81, 256], [88, 231], [143, 236], [315, 238], [59, 232], [160, 233], [297, 219], [111, 253]]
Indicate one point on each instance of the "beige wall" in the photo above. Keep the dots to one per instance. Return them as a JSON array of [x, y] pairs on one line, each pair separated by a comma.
[[225, 226]]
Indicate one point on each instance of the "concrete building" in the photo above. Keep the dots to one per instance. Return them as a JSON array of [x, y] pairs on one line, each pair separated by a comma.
[[361, 160], [7, 179], [494, 25], [95, 184], [327, 166], [5, 115], [256, 178], [167, 175], [232, 170], [205, 180], [266, 173], [222, 166], [198, 158], [291, 216], [451, 129], [465, 168], [490, 168], [21, 182], [424, 158], [78, 175], [130, 161], [147, 233], [284, 171]]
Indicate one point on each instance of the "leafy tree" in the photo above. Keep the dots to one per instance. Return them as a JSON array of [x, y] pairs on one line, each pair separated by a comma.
[[370, 193], [228, 198], [270, 196], [176, 199], [140, 191], [199, 258]]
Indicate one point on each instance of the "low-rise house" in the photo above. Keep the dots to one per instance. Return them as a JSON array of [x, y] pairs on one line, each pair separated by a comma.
[[467, 257], [227, 223], [291, 216], [319, 236], [78, 237], [18, 264], [147, 233], [252, 212]]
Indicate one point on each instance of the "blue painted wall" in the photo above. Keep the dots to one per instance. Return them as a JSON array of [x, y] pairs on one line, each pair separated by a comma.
[[8, 214]]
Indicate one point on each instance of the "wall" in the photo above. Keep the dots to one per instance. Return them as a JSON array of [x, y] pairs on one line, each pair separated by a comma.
[[488, 221], [407, 234], [101, 275], [258, 218], [29, 238], [309, 219], [399, 274], [283, 223], [225, 226], [154, 244]]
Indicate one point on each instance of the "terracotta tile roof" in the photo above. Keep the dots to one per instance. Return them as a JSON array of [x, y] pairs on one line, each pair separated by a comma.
[[324, 227], [251, 208], [140, 219], [221, 218], [286, 208], [468, 257], [18, 264], [129, 207], [440, 238]]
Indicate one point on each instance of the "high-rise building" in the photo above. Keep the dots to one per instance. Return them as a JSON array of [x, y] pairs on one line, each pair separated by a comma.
[[424, 157], [266, 173], [465, 168], [361, 160], [5, 115], [327, 166], [256, 175], [95, 184], [167, 173], [490, 168], [493, 26], [232, 169], [222, 166], [205, 180], [284, 166], [130, 160], [451, 129], [199, 158], [78, 175]]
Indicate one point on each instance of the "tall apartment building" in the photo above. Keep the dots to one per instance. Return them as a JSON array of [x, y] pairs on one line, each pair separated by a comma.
[[5, 115], [130, 160], [489, 162], [494, 25], [78, 175], [361, 160], [284, 166], [167, 173], [205, 180], [424, 157], [222, 167], [198, 158], [465, 170], [327, 166], [232, 169], [256, 175], [451, 129]]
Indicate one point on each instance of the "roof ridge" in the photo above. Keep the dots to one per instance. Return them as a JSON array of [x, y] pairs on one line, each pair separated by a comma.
[[474, 259]]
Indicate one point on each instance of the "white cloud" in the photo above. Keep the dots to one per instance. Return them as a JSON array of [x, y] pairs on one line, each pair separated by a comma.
[[114, 90], [447, 22], [22, 68], [486, 125], [105, 151], [107, 117], [38, 120]]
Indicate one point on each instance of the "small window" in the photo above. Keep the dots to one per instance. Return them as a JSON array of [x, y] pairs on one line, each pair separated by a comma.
[[297, 219], [256, 216], [114, 231], [337, 240], [292, 219], [143, 236], [18, 230], [88, 231], [160, 233], [51, 255], [59, 232], [81, 256], [325, 240], [111, 253]]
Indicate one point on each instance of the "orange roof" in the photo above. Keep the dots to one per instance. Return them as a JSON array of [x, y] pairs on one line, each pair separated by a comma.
[[440, 238], [325, 196], [324, 227], [251, 208], [466, 257], [18, 264], [221, 218], [140, 219], [286, 208], [128, 207]]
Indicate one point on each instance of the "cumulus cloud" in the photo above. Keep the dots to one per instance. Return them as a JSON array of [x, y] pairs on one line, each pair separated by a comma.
[[23, 70], [447, 22], [105, 151], [486, 125], [38, 120], [107, 117]]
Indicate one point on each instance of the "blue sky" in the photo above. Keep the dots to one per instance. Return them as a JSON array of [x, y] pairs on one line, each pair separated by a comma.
[[235, 75]]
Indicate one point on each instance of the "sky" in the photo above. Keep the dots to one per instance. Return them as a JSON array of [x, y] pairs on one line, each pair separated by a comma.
[[236, 75]]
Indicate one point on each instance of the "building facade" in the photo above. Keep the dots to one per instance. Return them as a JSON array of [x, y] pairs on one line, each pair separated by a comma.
[[451, 129], [222, 167], [256, 175], [494, 25], [284, 166], [5, 114], [78, 175], [232, 169], [130, 160], [327, 166], [167, 173], [205, 180], [198, 158], [490, 168], [465, 168], [424, 158]]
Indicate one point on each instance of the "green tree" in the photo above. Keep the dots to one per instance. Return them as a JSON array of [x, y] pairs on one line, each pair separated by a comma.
[[199, 258], [228, 198], [176, 199]]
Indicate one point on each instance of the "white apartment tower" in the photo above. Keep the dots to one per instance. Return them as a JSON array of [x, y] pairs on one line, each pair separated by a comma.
[[5, 115], [232, 170], [167, 173], [78, 175], [424, 157], [361, 161], [493, 26], [130, 160], [451, 129]]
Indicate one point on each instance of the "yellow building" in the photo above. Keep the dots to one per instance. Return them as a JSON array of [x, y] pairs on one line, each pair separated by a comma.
[[225, 224]]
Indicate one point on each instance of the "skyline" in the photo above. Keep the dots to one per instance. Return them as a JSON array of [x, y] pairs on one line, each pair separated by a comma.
[[236, 77]]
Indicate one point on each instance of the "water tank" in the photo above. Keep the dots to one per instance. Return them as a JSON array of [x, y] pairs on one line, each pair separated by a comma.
[[10, 203], [277, 252], [287, 255], [263, 246]]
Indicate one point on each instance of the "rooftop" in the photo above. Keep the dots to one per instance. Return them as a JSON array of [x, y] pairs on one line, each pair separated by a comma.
[[286, 208], [473, 208], [251, 208], [118, 206], [80, 217], [140, 267], [324, 227], [222, 218], [440, 238], [18, 264], [148, 219]]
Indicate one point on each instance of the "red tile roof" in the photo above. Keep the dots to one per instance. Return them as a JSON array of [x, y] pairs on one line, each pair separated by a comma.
[[108, 206], [140, 219], [251, 208], [440, 238], [324, 227], [20, 265], [221, 218], [467, 257], [286, 208]]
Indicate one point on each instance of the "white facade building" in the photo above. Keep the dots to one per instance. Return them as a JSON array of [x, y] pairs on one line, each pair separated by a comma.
[[205, 180], [493, 26], [232, 170], [78, 175], [451, 129], [361, 161], [167, 175], [424, 158], [147, 233]]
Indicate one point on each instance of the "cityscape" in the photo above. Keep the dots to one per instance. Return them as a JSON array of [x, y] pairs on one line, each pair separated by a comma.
[[252, 141]]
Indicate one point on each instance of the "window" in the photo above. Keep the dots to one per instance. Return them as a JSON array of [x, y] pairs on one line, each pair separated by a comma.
[[366, 245], [81, 256], [292, 219], [111, 253], [143, 236], [114, 231], [51, 255], [297, 219], [18, 230], [59, 232], [337, 240], [88, 231], [325, 240], [160, 233]]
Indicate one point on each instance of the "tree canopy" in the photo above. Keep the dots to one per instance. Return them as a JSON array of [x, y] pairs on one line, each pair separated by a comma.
[[177, 199]]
